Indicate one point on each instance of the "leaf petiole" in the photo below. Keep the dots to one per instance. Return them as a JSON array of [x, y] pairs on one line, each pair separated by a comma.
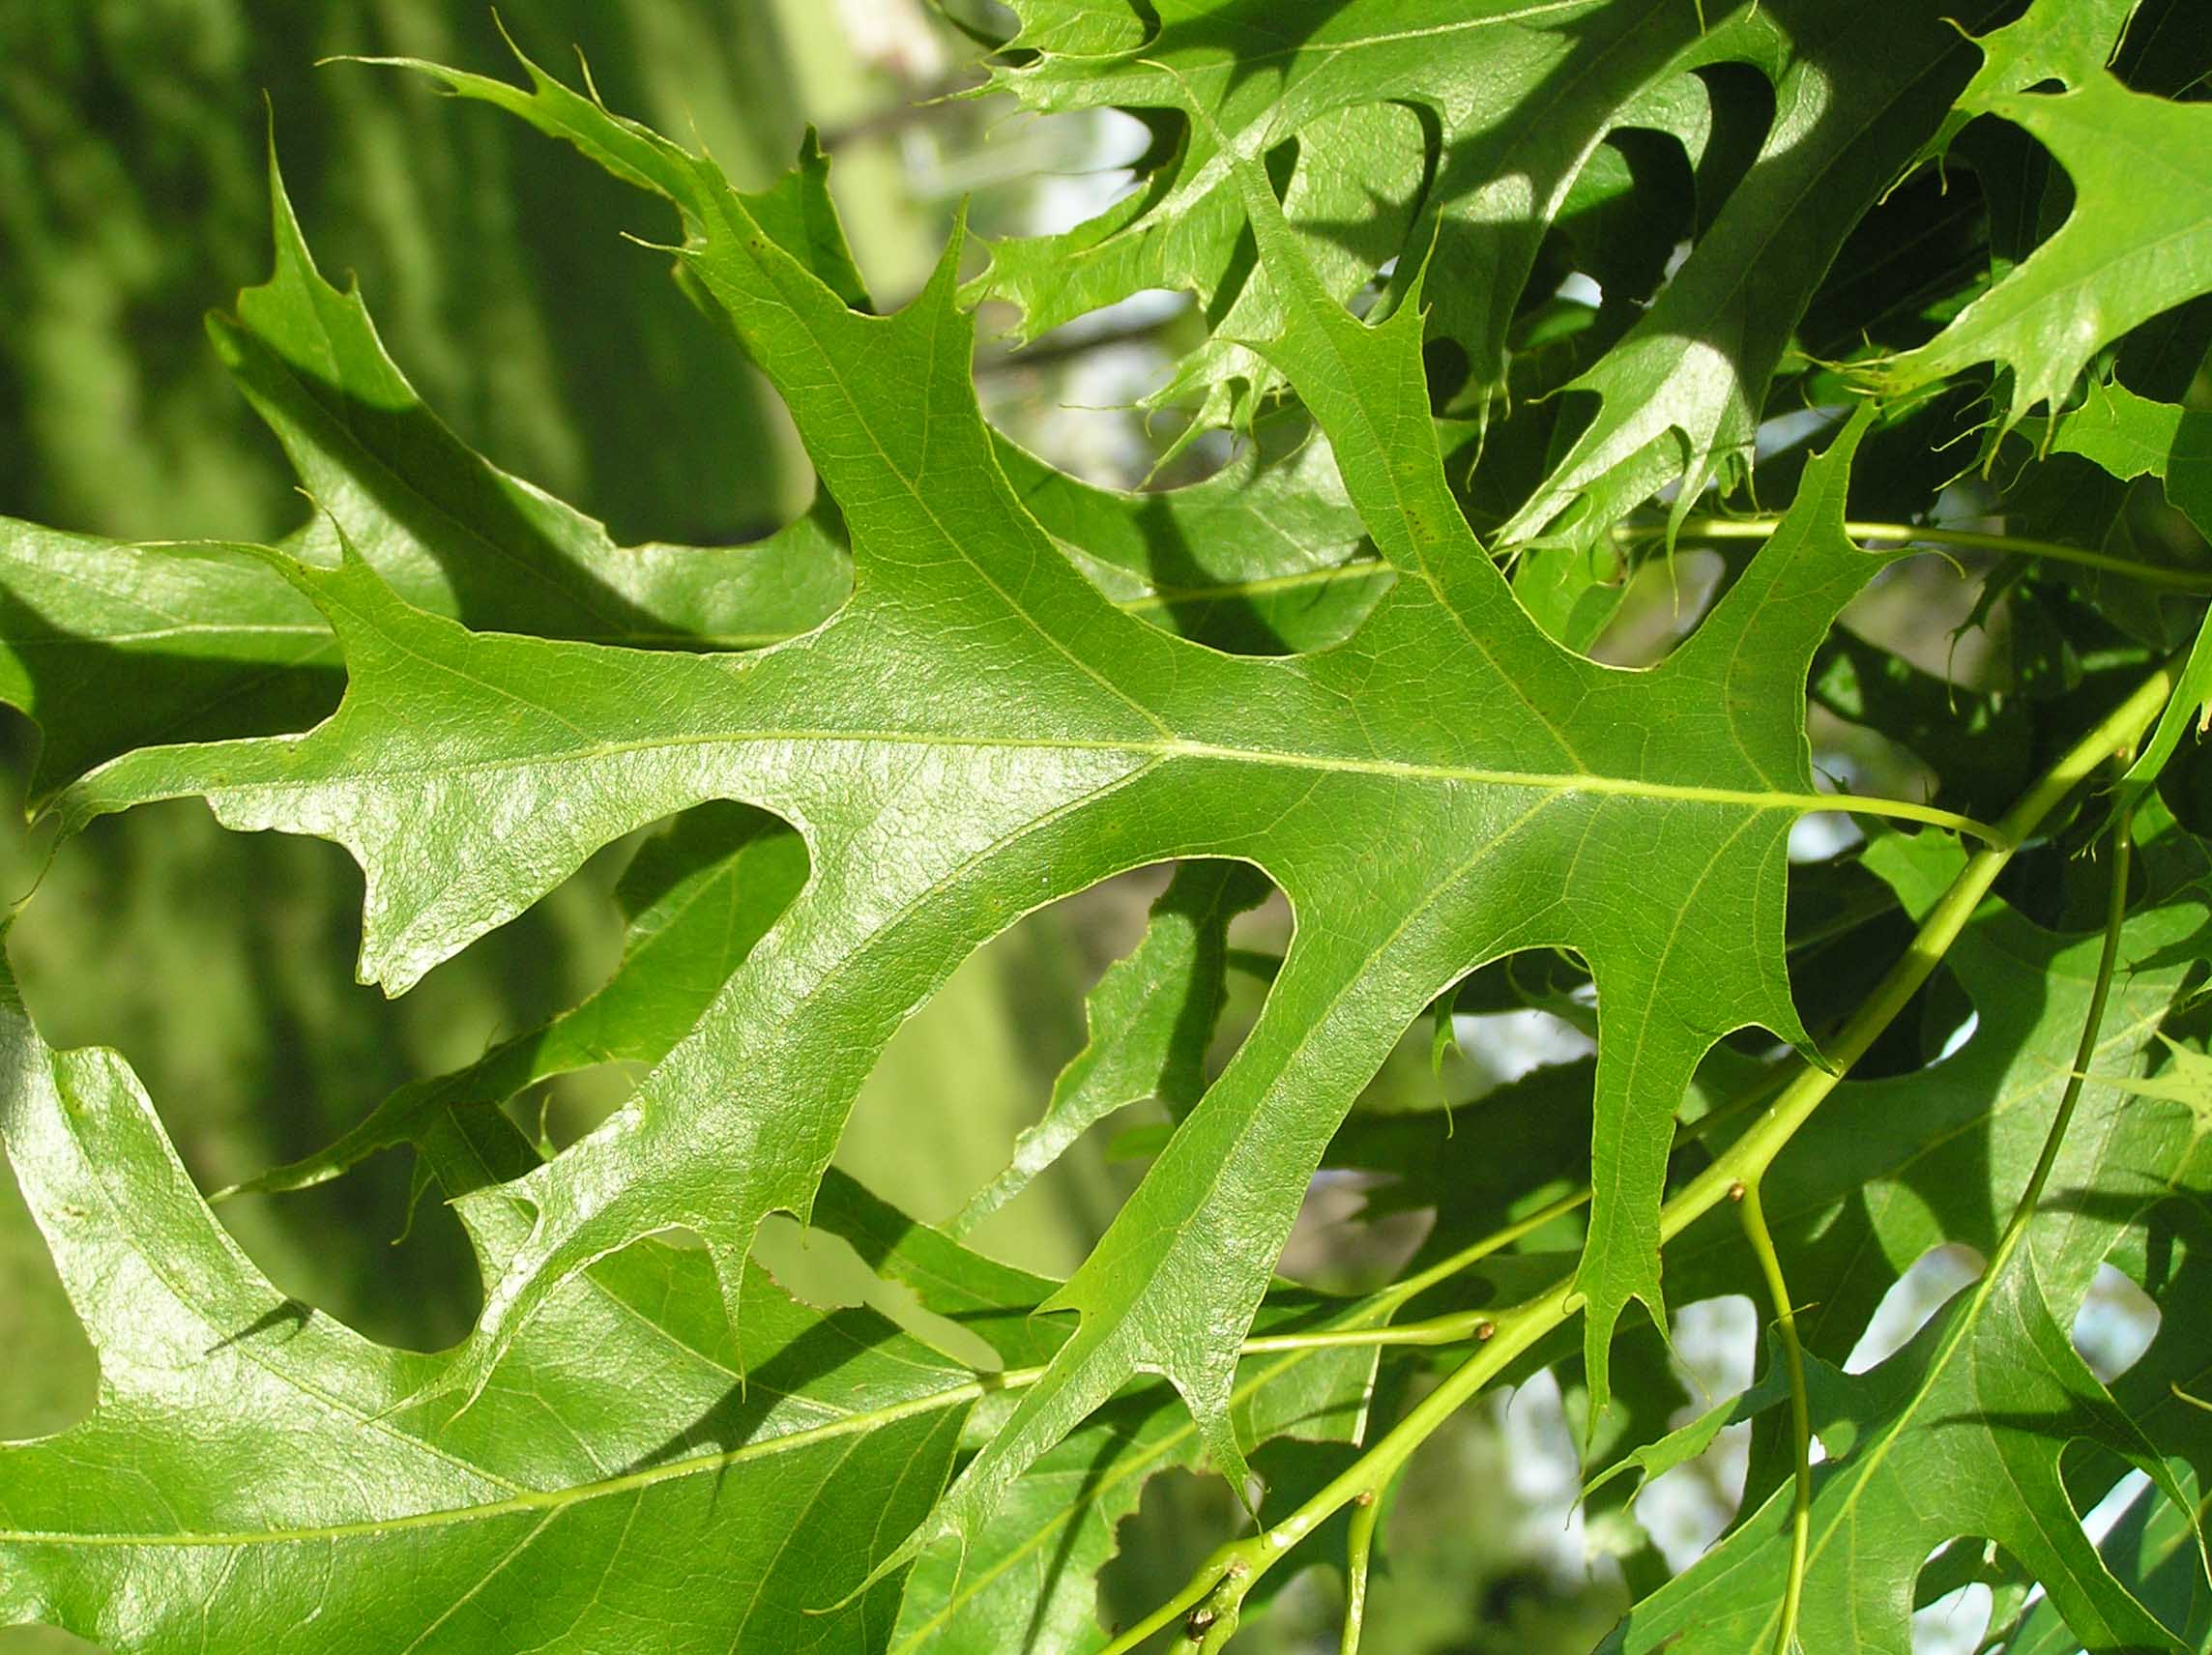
[[1800, 1410], [1359, 1551]]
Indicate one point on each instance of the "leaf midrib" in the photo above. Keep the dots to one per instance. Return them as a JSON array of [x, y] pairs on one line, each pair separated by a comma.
[[1401, 770], [535, 1499]]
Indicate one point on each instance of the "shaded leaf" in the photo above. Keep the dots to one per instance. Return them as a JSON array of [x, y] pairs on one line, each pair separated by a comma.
[[2136, 242], [1681, 395], [244, 1476], [1151, 1017]]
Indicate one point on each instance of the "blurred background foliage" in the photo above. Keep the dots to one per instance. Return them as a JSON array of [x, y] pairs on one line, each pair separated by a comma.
[[134, 197]]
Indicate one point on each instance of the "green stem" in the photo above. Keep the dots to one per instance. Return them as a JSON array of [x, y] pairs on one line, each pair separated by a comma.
[[1357, 1552], [1800, 1413], [1160, 1618], [2085, 1052], [2181, 1395], [1439, 1330], [1934, 535], [1231, 1570]]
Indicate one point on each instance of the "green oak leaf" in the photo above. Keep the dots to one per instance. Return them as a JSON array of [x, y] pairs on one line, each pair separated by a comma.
[[2167, 1391], [699, 895], [979, 731], [1959, 1437], [2131, 436], [457, 536], [1353, 666], [1449, 1165], [1266, 557], [244, 1476], [1980, 743], [2074, 501], [1894, 1166], [1522, 98], [1027, 1579], [2186, 1080], [1680, 396], [2135, 243], [2072, 42], [2152, 1551], [112, 645], [996, 1301]]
